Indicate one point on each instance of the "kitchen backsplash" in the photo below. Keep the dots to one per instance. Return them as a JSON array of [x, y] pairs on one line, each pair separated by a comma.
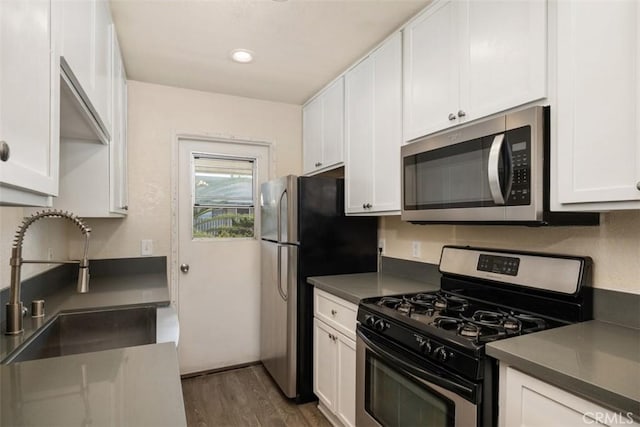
[[614, 245]]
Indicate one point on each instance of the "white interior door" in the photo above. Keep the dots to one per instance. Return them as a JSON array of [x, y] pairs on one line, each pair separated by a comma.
[[218, 254]]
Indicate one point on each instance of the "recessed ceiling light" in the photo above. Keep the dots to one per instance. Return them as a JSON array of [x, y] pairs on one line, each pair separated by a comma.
[[242, 56]]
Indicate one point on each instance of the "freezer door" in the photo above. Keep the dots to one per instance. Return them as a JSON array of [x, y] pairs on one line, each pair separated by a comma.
[[278, 210], [278, 325]]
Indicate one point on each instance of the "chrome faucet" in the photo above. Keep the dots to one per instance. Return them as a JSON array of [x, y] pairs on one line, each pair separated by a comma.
[[14, 306]]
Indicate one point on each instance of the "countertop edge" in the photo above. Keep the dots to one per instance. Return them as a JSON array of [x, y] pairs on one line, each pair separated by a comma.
[[568, 383], [340, 293]]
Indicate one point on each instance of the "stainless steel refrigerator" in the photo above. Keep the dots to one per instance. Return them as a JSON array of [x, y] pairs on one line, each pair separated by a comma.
[[304, 233]]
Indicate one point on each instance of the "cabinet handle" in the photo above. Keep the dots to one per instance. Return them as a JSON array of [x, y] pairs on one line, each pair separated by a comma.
[[461, 113], [4, 151], [452, 116], [334, 312]]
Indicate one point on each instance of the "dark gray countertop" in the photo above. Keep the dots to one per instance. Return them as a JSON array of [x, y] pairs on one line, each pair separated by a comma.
[[596, 360], [354, 287], [135, 386]]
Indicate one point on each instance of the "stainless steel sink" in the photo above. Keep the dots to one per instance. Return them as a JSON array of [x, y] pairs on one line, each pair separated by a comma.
[[88, 331]]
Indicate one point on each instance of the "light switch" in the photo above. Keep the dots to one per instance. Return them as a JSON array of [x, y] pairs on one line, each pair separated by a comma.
[[146, 247]]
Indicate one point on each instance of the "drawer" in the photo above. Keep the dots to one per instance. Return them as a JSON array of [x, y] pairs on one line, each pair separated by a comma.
[[335, 312]]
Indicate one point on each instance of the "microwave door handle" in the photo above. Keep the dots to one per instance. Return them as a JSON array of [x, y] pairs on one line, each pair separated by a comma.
[[494, 163]]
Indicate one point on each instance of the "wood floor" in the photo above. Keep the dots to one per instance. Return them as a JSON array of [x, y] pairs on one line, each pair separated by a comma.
[[244, 397]]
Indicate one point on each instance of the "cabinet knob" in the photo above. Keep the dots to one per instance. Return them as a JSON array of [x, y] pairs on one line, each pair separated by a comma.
[[461, 113], [638, 185], [124, 208], [334, 312], [368, 205], [4, 151], [452, 116]]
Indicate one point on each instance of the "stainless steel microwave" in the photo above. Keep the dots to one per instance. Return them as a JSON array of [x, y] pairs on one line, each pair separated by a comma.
[[494, 171]]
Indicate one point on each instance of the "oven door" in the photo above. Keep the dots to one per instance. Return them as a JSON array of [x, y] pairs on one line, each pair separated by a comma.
[[394, 390]]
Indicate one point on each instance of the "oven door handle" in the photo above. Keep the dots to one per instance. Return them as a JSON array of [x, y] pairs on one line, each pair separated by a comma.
[[470, 393]]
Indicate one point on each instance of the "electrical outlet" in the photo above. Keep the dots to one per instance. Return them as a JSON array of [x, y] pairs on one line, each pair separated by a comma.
[[146, 247], [381, 245], [415, 249]]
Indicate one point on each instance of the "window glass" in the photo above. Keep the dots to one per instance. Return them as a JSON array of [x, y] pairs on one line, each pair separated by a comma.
[[223, 197]]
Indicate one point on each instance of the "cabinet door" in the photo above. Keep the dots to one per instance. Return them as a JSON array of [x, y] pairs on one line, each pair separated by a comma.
[[333, 124], [597, 116], [118, 146], [28, 112], [359, 134], [86, 47], [503, 51], [387, 122], [431, 87], [346, 399], [312, 135], [325, 353], [528, 402]]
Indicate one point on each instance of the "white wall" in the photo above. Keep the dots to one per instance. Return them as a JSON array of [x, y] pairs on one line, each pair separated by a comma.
[[614, 245], [156, 113]]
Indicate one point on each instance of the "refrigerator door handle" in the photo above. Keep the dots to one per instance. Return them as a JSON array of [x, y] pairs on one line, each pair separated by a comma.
[[279, 215], [283, 295]]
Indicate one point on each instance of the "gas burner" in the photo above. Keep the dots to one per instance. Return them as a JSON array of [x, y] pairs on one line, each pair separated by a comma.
[[405, 307], [512, 324], [470, 330]]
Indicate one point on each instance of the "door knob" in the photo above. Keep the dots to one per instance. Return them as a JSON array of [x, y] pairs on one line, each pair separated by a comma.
[[184, 268]]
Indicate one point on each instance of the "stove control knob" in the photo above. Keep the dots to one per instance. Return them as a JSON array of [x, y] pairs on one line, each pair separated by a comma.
[[425, 347], [369, 320], [441, 354], [380, 325]]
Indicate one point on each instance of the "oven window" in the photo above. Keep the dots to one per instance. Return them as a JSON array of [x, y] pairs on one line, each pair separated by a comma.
[[394, 399]]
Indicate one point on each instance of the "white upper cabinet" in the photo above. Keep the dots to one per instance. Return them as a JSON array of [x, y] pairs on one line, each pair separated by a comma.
[[85, 46], [504, 51], [595, 121], [118, 148], [431, 70], [93, 176], [28, 104], [323, 129], [373, 131], [469, 59]]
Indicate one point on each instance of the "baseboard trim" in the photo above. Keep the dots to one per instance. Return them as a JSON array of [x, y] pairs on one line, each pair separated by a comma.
[[218, 370]]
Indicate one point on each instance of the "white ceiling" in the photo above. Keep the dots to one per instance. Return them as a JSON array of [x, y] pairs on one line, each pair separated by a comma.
[[299, 45]]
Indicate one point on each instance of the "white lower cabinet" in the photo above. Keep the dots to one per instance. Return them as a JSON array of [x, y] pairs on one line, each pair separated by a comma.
[[334, 361], [528, 402]]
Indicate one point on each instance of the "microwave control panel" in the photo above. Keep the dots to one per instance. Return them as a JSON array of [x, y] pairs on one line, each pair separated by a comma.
[[519, 141]]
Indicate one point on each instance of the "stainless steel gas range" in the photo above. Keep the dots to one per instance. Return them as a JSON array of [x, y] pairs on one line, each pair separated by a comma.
[[421, 359]]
